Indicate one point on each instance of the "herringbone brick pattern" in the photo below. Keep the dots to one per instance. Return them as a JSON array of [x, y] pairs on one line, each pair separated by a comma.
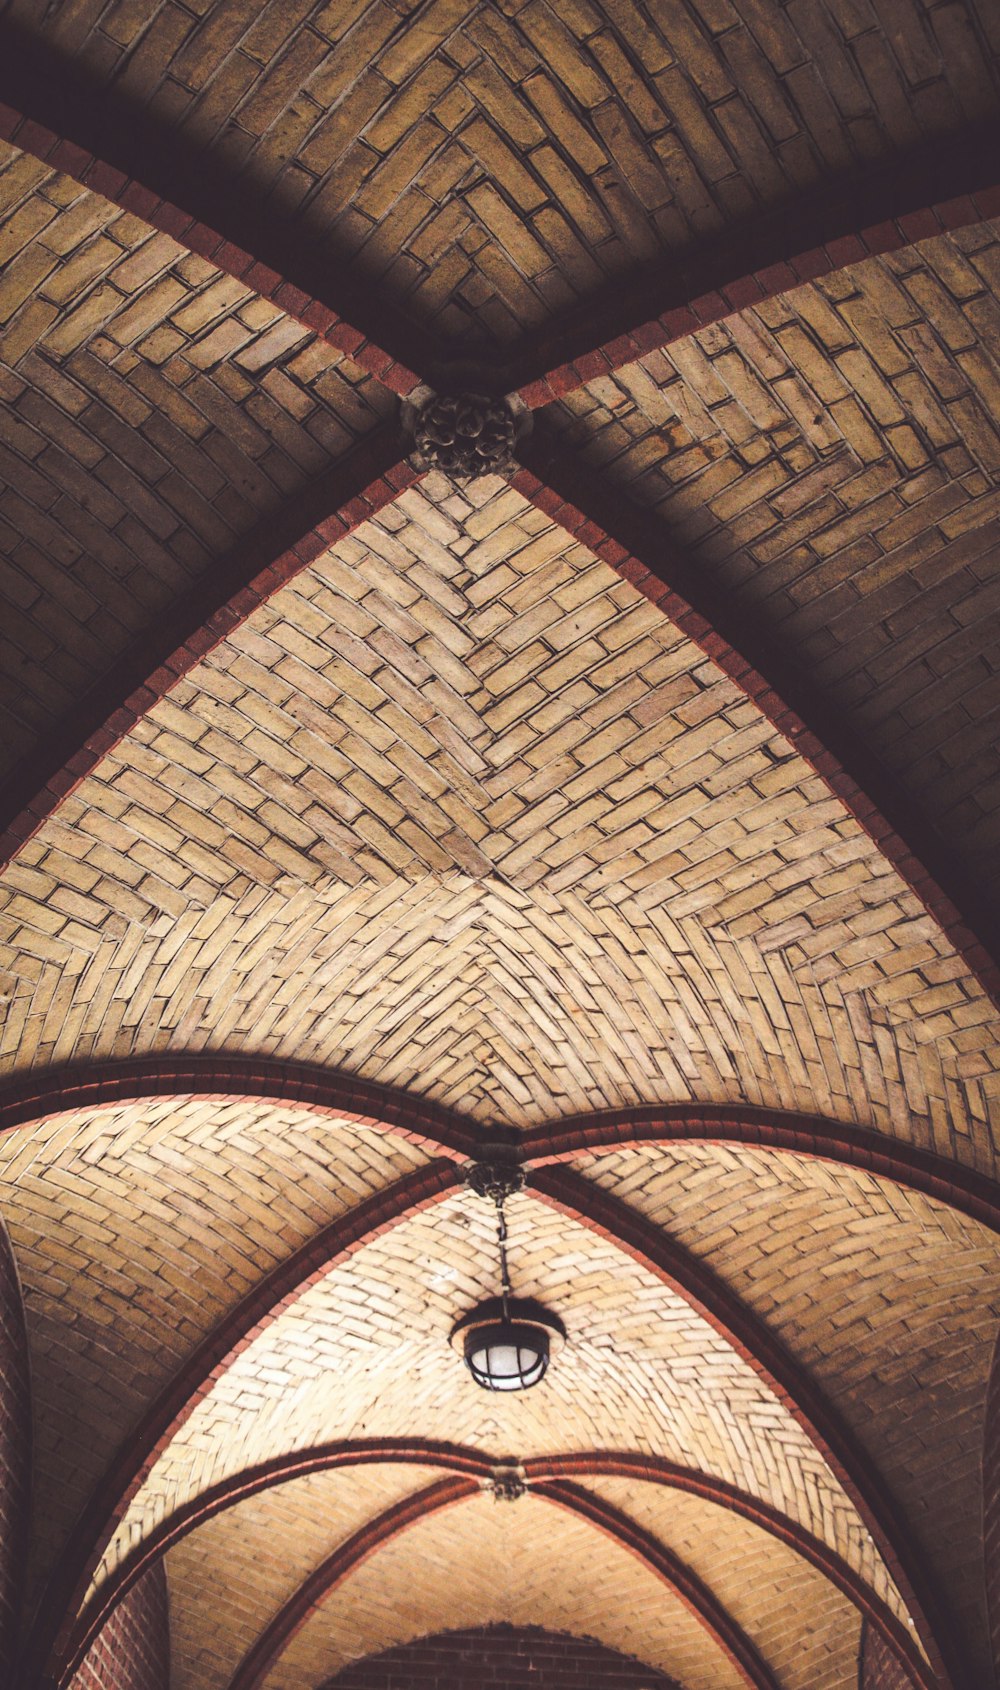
[[831, 460], [365, 1353], [493, 164], [888, 1298], [276, 1539], [152, 410], [459, 811], [482, 1562], [805, 1629], [136, 1230]]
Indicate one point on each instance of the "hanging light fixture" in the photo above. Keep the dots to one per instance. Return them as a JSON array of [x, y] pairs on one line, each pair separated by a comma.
[[506, 1343]]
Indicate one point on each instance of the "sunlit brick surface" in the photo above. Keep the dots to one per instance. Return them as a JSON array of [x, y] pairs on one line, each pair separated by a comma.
[[460, 811]]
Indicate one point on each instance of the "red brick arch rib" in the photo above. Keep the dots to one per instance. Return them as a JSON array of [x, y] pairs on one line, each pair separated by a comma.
[[455, 1459], [15, 1452], [642, 552], [301, 1085], [366, 480], [725, 1633], [924, 192], [116, 147], [284, 1285], [577, 1197], [962, 1188]]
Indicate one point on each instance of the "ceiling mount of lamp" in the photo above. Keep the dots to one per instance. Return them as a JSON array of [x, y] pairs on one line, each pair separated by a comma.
[[506, 1342]]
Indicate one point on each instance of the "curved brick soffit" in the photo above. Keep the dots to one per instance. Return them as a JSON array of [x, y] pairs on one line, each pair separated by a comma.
[[473, 1464], [991, 1506], [15, 1451], [443, 1132], [896, 214], [679, 1578]]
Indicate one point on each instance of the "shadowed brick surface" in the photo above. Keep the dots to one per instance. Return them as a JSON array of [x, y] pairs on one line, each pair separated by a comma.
[[495, 165], [133, 1651], [878, 1667], [517, 1657]]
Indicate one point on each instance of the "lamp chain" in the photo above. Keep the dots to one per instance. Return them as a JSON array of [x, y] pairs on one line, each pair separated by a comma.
[[504, 1271]]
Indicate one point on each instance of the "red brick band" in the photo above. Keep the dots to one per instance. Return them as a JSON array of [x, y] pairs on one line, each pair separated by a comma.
[[117, 149], [674, 1573], [274, 1639], [280, 1288], [644, 1242], [962, 1188], [928, 191], [991, 1505], [642, 554], [363, 483], [321, 1091]]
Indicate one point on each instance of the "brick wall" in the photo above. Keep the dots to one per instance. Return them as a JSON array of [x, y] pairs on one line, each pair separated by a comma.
[[509, 1657], [133, 1650], [878, 1667], [991, 1506], [15, 1451]]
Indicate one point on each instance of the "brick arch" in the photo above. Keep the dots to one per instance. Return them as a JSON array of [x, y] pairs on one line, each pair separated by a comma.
[[576, 1197], [727, 1635], [519, 1657], [471, 1463], [103, 1085], [15, 1452]]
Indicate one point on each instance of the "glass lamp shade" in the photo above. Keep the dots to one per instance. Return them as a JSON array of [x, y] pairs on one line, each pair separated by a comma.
[[507, 1355], [508, 1350]]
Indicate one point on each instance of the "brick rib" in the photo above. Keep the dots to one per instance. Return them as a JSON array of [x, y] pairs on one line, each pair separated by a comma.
[[695, 1595], [642, 552], [115, 147], [277, 1291], [577, 1197], [925, 192], [653, 1469], [274, 1639], [991, 1506], [361, 484], [962, 1188], [105, 1085]]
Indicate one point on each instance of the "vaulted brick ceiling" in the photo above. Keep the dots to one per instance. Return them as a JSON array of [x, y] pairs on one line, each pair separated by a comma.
[[635, 808]]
